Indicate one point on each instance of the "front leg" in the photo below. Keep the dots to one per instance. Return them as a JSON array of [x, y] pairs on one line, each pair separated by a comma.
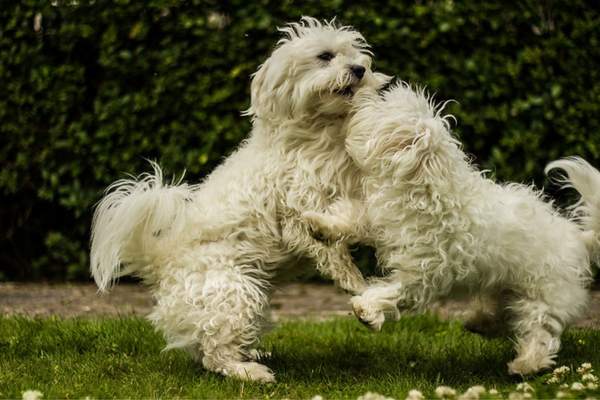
[[332, 259], [400, 290], [376, 301], [337, 264], [345, 219]]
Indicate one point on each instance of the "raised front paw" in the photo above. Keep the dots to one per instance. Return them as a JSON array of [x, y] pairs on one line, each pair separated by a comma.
[[367, 313]]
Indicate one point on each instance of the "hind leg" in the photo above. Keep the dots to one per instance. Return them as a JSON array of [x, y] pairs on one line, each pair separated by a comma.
[[538, 324], [216, 316], [235, 303], [537, 337]]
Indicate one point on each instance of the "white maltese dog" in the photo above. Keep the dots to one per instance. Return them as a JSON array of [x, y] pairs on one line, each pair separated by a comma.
[[211, 252], [442, 229]]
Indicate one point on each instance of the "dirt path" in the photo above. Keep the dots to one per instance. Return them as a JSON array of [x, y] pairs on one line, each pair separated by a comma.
[[80, 300], [316, 301]]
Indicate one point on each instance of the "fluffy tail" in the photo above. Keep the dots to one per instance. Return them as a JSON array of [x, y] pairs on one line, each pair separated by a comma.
[[136, 222], [585, 179]]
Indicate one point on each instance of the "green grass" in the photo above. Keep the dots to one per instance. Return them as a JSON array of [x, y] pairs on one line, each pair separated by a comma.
[[337, 359]]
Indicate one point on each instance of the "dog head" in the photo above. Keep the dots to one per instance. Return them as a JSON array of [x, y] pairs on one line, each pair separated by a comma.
[[315, 70], [401, 132]]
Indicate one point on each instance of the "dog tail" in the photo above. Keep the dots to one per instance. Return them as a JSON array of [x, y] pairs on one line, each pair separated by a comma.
[[585, 179], [136, 223]]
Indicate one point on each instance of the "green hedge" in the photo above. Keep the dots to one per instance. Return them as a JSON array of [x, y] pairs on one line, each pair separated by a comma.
[[92, 88]]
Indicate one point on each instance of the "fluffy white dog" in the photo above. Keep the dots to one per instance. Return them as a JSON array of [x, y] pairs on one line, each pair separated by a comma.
[[443, 229], [211, 252]]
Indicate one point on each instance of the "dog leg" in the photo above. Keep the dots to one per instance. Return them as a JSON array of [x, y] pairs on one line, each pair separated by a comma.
[[538, 333], [330, 226], [215, 314], [235, 303], [371, 306], [539, 322], [332, 260], [338, 264], [345, 219]]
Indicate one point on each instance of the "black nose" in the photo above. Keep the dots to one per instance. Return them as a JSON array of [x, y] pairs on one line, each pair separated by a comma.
[[358, 71]]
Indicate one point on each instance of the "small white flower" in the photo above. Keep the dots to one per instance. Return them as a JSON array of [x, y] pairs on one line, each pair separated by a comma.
[[479, 389], [525, 387], [577, 386], [585, 368], [564, 386], [317, 397], [373, 396], [552, 380], [515, 396], [561, 370], [493, 392], [473, 393], [561, 394], [592, 386], [444, 392], [32, 395], [589, 378], [415, 395]]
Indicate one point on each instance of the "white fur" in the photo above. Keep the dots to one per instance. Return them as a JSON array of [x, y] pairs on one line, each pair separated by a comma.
[[442, 229], [212, 252]]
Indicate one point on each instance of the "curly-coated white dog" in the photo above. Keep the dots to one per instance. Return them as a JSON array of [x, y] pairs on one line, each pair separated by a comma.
[[211, 252], [442, 229]]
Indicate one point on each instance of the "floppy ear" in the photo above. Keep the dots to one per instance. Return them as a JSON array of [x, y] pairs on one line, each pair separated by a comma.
[[270, 91]]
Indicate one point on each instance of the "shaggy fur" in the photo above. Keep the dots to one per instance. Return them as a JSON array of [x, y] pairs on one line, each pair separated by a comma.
[[211, 252], [442, 229]]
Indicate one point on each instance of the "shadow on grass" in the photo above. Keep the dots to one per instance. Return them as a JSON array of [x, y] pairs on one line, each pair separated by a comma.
[[338, 358], [416, 348]]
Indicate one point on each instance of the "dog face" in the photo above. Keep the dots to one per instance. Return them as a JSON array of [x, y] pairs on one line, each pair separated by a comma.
[[315, 70]]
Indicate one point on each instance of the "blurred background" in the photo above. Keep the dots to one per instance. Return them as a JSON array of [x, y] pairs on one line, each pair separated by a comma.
[[90, 89]]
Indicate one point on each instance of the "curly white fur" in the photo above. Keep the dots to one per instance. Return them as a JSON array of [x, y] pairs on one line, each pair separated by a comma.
[[211, 252], [441, 228]]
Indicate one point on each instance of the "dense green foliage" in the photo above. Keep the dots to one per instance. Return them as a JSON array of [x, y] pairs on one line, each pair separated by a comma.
[[92, 88], [337, 359]]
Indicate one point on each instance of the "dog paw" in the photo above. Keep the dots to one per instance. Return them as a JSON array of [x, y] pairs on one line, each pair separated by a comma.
[[527, 366], [370, 316], [250, 371]]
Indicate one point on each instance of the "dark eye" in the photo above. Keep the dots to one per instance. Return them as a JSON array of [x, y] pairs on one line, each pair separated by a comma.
[[326, 56]]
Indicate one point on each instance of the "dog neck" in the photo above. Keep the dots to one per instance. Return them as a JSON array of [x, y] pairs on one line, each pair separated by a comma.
[[314, 146], [292, 134]]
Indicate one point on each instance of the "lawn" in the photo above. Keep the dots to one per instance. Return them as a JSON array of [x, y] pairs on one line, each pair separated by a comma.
[[122, 358]]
